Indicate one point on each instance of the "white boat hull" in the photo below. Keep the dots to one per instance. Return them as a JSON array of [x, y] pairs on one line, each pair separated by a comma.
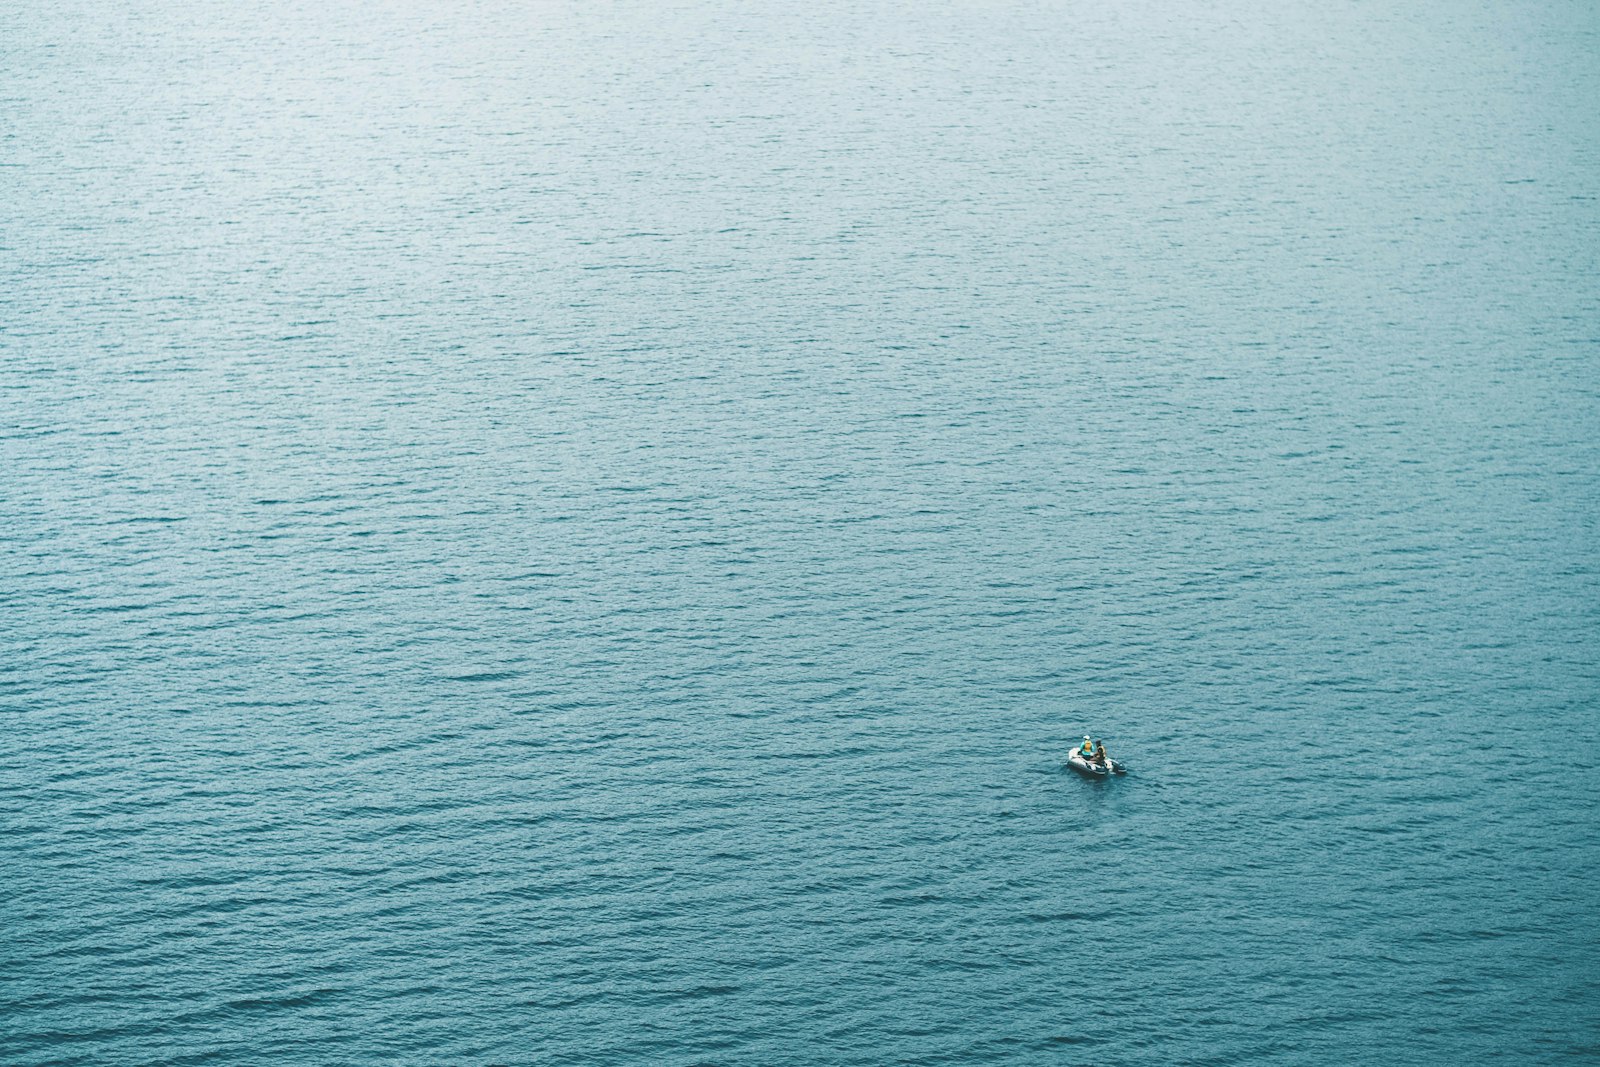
[[1090, 769]]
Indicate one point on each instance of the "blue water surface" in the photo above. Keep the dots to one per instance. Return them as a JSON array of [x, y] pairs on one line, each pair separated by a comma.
[[582, 533]]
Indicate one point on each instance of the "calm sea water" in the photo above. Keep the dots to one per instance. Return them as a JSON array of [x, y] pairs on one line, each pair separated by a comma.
[[582, 533]]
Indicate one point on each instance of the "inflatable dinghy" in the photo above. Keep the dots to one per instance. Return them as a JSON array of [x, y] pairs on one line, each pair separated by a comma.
[[1090, 769]]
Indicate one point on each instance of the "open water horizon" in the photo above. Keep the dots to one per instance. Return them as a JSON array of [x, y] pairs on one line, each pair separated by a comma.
[[553, 533]]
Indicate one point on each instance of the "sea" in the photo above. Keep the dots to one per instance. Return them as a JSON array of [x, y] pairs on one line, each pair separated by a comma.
[[582, 532]]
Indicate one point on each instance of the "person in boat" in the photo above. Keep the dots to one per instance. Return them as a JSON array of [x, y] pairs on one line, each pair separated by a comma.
[[1099, 753], [1087, 748]]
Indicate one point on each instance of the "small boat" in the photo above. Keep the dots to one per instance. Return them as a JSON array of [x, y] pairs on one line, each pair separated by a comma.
[[1090, 769]]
